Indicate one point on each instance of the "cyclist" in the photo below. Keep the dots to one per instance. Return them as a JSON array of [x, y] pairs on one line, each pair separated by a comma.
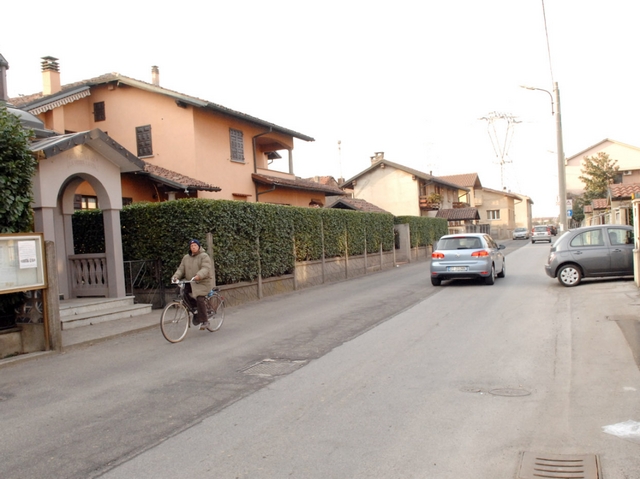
[[197, 266]]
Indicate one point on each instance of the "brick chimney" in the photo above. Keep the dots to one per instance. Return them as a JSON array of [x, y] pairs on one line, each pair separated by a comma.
[[50, 76], [155, 75], [4, 66]]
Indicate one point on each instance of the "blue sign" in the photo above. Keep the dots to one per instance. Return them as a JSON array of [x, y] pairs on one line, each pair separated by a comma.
[[569, 213]]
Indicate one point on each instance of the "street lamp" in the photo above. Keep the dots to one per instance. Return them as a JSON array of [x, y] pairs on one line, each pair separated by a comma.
[[562, 184]]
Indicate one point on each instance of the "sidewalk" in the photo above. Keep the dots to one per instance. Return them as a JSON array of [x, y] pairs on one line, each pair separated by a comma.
[[86, 335]]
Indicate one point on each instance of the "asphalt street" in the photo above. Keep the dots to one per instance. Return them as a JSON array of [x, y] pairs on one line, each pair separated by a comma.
[[379, 377]]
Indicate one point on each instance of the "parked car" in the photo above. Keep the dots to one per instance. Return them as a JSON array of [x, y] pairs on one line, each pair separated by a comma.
[[540, 233], [521, 233], [591, 251], [467, 256]]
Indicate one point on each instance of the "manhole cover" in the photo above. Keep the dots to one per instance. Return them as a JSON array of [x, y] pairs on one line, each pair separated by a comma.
[[509, 392], [274, 367], [557, 466]]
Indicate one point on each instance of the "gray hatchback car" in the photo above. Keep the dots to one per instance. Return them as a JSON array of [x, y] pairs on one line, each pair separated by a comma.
[[466, 256], [591, 252]]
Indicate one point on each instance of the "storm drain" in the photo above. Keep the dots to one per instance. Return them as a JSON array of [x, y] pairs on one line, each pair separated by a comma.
[[274, 367], [555, 466]]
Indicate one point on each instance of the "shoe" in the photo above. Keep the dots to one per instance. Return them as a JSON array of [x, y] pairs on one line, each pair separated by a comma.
[[204, 325], [196, 321]]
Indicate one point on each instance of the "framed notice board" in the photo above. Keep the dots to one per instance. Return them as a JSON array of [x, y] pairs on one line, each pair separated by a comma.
[[22, 265]]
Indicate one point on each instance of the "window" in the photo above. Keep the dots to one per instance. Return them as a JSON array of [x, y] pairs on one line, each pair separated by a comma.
[[493, 214], [143, 140], [237, 145], [99, 112], [619, 236], [127, 201], [84, 202], [588, 238]]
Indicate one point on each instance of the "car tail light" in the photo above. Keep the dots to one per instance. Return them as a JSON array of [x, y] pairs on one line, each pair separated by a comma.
[[481, 253], [437, 255]]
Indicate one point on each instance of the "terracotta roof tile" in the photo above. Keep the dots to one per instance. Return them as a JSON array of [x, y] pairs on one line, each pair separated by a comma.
[[354, 204], [600, 203], [624, 190], [468, 180], [459, 214], [296, 183], [175, 177]]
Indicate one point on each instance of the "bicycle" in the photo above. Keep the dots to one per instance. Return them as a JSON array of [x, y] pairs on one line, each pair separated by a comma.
[[177, 316]]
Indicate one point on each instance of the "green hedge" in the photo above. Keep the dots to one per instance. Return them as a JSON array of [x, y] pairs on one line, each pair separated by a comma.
[[249, 239], [424, 230]]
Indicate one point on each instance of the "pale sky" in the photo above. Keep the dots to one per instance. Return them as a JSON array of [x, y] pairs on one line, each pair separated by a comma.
[[410, 78]]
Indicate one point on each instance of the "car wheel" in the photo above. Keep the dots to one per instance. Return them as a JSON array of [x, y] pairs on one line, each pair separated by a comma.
[[436, 281], [503, 273], [569, 275], [492, 277]]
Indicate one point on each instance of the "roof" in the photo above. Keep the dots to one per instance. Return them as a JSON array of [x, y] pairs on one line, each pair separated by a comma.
[[468, 180], [354, 204], [96, 139], [39, 103], [114, 152], [623, 191], [600, 203], [175, 180], [600, 143], [504, 193], [296, 184], [411, 171], [459, 214]]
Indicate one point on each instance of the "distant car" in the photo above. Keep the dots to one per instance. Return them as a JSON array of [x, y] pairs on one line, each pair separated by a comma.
[[521, 233], [590, 252], [540, 233], [467, 256]]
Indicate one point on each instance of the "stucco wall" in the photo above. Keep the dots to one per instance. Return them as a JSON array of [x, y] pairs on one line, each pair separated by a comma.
[[391, 189]]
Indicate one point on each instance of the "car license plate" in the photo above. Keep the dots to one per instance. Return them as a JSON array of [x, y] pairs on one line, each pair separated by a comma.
[[458, 268]]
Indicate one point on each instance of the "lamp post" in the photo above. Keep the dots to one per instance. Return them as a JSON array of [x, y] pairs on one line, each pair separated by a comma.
[[562, 184]]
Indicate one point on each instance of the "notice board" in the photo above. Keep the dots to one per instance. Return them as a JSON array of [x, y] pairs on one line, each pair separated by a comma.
[[22, 265]]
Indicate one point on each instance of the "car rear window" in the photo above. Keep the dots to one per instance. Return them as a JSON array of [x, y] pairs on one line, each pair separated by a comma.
[[460, 242], [540, 228]]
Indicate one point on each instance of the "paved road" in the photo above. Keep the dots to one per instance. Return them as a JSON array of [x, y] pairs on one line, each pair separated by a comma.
[[387, 377]]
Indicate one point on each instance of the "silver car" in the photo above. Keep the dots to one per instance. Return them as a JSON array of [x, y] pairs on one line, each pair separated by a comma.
[[521, 233], [541, 233], [466, 256], [592, 251]]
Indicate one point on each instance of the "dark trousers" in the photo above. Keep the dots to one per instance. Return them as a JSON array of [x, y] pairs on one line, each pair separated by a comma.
[[196, 303]]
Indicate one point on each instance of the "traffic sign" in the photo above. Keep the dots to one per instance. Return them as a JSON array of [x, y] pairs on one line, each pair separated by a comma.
[[569, 213]]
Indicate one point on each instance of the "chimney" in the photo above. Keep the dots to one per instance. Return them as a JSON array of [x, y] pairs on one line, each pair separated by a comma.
[[4, 66], [378, 155], [50, 76], [155, 75]]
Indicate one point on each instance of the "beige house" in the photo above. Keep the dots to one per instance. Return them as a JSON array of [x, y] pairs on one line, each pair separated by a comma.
[[503, 211], [179, 133], [404, 191], [626, 156]]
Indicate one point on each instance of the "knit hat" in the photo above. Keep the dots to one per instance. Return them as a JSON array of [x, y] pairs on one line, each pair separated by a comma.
[[194, 241]]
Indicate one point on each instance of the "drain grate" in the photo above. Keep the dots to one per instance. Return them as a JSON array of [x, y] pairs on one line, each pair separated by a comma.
[[274, 367], [556, 466]]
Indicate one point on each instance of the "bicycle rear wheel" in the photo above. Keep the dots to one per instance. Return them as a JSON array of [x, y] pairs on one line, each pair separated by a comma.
[[215, 312], [174, 322]]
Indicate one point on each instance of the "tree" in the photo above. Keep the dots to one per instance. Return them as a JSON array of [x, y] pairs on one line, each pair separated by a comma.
[[17, 168], [598, 173]]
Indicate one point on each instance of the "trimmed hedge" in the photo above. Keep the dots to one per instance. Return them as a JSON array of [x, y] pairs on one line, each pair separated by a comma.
[[424, 231], [249, 239]]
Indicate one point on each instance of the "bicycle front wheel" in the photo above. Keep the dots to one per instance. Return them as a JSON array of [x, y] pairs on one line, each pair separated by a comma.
[[215, 312], [174, 322]]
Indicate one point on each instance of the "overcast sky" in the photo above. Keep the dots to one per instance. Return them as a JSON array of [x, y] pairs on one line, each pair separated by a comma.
[[413, 79]]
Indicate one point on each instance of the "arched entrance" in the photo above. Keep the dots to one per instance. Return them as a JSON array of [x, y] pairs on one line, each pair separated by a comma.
[[64, 163]]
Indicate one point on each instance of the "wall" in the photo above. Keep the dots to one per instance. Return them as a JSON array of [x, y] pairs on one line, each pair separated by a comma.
[[391, 189]]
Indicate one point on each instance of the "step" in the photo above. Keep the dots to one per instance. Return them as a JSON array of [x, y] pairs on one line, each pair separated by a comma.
[[72, 307], [103, 315]]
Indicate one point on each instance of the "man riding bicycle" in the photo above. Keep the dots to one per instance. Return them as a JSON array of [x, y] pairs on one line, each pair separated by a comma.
[[197, 266]]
